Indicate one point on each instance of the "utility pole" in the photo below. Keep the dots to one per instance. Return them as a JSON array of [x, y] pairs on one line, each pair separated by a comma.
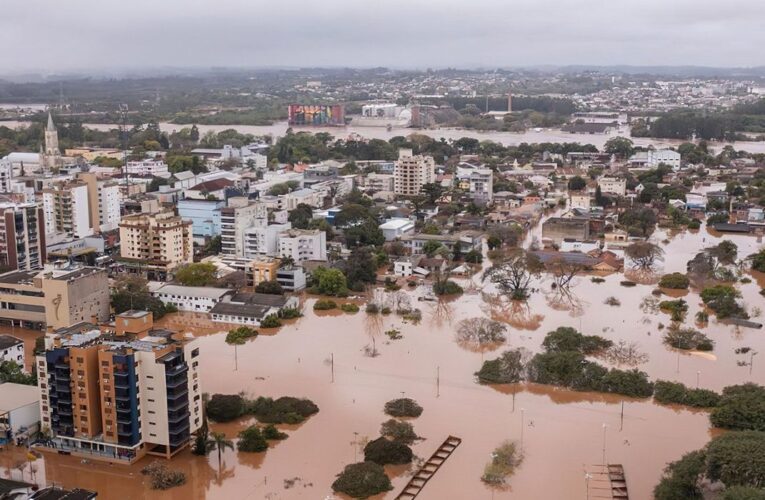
[[332, 365], [438, 381]]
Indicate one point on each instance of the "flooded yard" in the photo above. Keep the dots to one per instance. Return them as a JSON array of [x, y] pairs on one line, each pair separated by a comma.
[[326, 358]]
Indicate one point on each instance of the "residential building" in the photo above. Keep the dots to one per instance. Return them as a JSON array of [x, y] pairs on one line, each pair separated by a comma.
[[467, 240], [412, 172], [235, 219], [260, 270], [53, 297], [264, 240], [156, 242], [19, 414], [292, 278], [654, 158], [199, 299], [580, 201], [613, 185], [119, 394], [250, 308], [12, 349], [303, 244], [66, 207], [205, 217], [396, 228], [22, 236], [379, 182], [215, 188], [481, 185], [559, 228], [103, 202], [148, 167]]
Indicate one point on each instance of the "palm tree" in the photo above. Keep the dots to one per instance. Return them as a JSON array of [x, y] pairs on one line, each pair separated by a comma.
[[219, 442]]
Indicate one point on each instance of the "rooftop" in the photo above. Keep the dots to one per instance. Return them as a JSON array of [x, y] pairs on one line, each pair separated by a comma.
[[7, 341], [192, 291], [13, 396]]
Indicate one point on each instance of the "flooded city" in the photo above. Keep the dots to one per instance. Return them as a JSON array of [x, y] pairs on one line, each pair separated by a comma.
[[348, 366]]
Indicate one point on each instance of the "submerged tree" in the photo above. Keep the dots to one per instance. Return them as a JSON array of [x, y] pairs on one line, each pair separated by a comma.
[[479, 333], [643, 254], [514, 273]]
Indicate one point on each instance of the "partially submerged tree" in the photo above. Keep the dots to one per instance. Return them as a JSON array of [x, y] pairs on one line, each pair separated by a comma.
[[403, 407], [396, 430], [514, 273], [479, 333], [563, 271], [509, 368], [383, 451], [362, 480], [643, 254]]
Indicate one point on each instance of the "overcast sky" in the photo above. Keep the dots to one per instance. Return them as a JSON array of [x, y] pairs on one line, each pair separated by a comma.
[[56, 35]]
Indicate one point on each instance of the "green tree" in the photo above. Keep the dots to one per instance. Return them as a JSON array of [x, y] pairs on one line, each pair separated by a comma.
[[197, 274], [619, 146], [301, 216], [576, 183], [271, 287], [432, 191], [329, 282]]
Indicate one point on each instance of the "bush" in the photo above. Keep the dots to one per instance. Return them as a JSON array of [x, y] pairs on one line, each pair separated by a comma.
[[737, 458], [743, 493], [473, 257], [163, 478], [362, 480], [225, 407], [270, 432], [677, 308], [446, 287], [372, 308], [681, 478], [633, 383], [504, 460], [383, 451], [694, 224], [403, 407], [758, 261], [240, 335], [270, 287], [251, 440], [324, 305], [612, 301], [742, 407], [722, 300], [271, 321], [350, 308], [403, 432], [509, 368], [597, 280], [565, 338], [675, 281], [284, 410], [676, 393], [290, 313], [688, 339]]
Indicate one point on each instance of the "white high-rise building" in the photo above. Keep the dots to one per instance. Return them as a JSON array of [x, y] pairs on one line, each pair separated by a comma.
[[235, 219], [264, 240], [67, 211], [302, 245], [411, 172]]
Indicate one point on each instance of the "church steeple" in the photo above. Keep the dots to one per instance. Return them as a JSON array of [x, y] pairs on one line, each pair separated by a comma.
[[50, 127], [52, 154]]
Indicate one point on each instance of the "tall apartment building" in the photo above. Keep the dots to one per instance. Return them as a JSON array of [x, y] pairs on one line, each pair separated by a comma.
[[103, 202], [117, 395], [54, 297], [481, 185], [411, 172], [156, 242], [22, 236], [66, 206], [302, 245], [235, 220], [264, 240]]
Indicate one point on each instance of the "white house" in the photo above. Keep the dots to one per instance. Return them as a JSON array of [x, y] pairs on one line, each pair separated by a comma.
[[581, 201], [570, 245], [189, 298], [403, 267], [19, 411], [396, 228], [11, 349], [156, 168], [613, 185], [250, 308]]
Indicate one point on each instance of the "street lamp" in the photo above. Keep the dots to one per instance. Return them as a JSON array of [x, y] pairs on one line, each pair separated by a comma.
[[523, 415], [698, 375], [604, 444], [587, 477]]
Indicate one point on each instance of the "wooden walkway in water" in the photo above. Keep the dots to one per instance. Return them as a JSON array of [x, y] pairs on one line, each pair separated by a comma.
[[429, 468], [607, 481]]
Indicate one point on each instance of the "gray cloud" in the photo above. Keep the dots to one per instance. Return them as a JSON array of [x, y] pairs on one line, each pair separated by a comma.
[[52, 35]]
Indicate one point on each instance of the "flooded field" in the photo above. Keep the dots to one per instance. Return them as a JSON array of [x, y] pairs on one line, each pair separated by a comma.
[[561, 432]]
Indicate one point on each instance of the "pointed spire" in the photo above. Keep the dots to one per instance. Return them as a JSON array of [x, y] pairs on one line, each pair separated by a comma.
[[50, 123]]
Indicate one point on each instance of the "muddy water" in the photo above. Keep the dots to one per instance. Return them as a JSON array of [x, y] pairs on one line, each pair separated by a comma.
[[506, 138], [562, 431]]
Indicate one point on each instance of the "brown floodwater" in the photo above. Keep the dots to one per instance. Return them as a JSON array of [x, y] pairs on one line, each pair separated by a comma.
[[561, 431]]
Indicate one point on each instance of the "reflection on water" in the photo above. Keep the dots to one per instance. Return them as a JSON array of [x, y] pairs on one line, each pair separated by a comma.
[[562, 430]]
